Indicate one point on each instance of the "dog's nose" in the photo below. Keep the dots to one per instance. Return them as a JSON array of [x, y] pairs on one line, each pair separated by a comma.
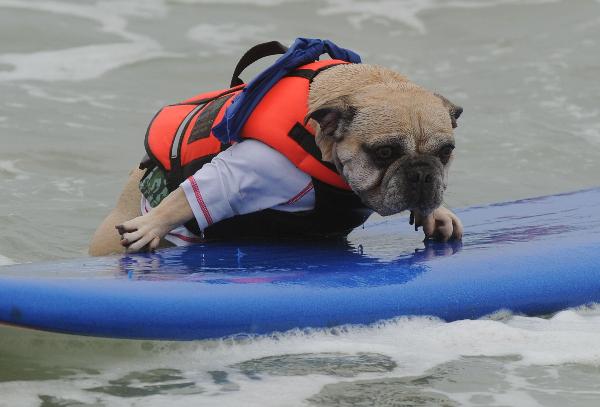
[[420, 176]]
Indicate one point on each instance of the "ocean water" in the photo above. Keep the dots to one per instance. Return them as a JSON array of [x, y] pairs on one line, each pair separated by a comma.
[[79, 81]]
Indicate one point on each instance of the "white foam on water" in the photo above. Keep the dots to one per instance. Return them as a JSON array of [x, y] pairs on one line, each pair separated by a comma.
[[415, 344], [592, 134], [135, 8], [579, 112], [260, 3], [9, 169], [404, 11], [15, 105], [227, 38], [109, 16], [70, 186], [70, 97], [583, 118], [92, 61], [84, 62], [77, 64], [5, 261]]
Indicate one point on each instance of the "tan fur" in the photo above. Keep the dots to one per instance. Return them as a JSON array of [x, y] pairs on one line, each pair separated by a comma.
[[106, 239], [392, 102], [387, 108]]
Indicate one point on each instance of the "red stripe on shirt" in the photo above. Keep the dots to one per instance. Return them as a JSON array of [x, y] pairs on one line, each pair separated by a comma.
[[203, 206], [187, 238], [300, 194]]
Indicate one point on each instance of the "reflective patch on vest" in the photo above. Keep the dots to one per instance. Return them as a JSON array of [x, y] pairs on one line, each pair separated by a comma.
[[154, 186], [206, 118], [176, 146]]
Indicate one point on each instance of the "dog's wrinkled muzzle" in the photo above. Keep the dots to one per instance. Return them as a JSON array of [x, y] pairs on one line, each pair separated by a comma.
[[423, 185], [414, 183]]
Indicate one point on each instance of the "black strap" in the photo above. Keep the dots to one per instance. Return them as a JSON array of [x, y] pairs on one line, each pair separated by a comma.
[[306, 140], [206, 100], [310, 74], [254, 54]]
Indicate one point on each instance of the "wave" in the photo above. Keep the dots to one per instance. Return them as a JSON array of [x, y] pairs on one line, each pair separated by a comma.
[[5, 261], [390, 362], [85, 62], [405, 11], [226, 38]]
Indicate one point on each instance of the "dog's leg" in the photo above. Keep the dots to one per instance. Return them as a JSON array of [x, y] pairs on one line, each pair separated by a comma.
[[106, 239]]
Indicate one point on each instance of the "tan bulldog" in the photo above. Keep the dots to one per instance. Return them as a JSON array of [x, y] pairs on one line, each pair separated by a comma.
[[391, 140]]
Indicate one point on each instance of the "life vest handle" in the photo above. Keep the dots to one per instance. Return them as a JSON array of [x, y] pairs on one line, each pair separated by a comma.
[[254, 54]]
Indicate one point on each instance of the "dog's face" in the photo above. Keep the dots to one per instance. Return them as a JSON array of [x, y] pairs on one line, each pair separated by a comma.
[[391, 140]]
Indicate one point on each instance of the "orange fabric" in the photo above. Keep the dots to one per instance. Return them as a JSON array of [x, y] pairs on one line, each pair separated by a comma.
[[203, 147], [282, 107], [162, 132]]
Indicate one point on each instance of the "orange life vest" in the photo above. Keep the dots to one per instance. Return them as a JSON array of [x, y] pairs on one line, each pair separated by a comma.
[[180, 138]]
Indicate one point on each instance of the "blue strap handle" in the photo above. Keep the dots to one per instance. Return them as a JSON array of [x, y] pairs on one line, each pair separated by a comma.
[[302, 51]]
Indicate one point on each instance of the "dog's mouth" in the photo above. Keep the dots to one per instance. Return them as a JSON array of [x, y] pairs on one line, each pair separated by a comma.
[[414, 184], [424, 199]]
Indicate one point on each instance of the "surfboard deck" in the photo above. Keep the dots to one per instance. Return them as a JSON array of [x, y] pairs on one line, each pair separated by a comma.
[[533, 256]]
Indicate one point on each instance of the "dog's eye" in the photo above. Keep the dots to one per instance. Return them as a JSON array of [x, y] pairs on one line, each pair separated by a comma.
[[384, 153], [445, 153]]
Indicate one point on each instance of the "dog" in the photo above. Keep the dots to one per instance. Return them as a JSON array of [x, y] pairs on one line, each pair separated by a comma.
[[391, 140]]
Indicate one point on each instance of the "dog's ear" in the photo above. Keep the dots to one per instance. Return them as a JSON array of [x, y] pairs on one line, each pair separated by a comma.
[[333, 119], [328, 119], [454, 110]]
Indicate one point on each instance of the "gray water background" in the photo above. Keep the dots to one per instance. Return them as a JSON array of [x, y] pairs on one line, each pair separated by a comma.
[[79, 81], [89, 77]]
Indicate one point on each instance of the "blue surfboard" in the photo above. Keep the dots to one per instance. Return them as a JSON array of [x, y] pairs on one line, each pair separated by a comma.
[[534, 257]]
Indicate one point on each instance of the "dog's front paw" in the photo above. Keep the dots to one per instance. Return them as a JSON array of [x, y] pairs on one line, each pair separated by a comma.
[[442, 224]]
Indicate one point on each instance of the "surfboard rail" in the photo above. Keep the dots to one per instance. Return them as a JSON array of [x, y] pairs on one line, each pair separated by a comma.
[[534, 256]]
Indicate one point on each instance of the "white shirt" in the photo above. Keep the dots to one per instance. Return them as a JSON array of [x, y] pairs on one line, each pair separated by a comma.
[[247, 177]]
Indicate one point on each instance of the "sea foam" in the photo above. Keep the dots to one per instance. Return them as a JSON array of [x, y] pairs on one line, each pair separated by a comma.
[[5, 261], [404, 11], [84, 62], [407, 357], [226, 38]]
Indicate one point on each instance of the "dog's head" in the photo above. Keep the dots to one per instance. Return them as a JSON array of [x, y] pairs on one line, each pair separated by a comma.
[[391, 140]]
